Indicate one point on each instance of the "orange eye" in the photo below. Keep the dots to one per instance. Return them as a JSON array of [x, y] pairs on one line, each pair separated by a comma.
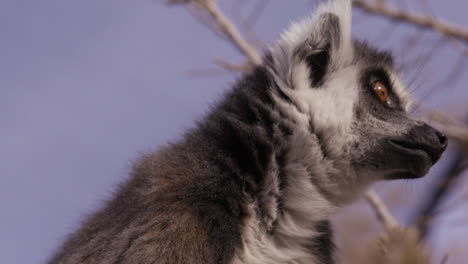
[[381, 91]]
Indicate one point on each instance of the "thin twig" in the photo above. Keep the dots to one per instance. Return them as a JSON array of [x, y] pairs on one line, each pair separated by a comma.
[[447, 182], [225, 27], [231, 32], [423, 21], [232, 67], [451, 128], [382, 212], [439, 192], [246, 24], [445, 259]]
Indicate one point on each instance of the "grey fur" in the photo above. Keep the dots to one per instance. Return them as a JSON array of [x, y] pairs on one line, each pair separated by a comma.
[[257, 179]]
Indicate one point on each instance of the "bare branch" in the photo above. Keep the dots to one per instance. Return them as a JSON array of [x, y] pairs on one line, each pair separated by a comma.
[[453, 129], [401, 246], [445, 259], [397, 244], [225, 27], [382, 212], [246, 23], [231, 32], [175, 2], [423, 21], [447, 182], [232, 67], [439, 192]]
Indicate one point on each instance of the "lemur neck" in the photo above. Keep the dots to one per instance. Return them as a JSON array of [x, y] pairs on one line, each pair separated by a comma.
[[275, 159]]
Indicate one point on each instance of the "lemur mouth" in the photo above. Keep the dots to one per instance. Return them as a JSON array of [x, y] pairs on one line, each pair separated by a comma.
[[417, 149]]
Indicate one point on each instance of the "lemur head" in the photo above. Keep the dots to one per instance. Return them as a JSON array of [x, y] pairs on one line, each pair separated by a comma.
[[350, 97]]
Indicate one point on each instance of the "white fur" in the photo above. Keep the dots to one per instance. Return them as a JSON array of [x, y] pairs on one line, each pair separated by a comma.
[[399, 88], [303, 207], [330, 108], [308, 33]]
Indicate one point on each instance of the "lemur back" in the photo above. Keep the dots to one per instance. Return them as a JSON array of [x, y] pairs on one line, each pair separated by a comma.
[[257, 179]]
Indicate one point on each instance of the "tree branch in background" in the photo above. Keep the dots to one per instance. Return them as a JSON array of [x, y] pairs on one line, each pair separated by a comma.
[[448, 181], [382, 212], [439, 192], [423, 21], [225, 27], [451, 128], [397, 244]]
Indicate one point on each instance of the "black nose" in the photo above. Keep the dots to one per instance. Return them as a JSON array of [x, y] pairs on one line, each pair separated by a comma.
[[442, 139], [429, 139], [426, 138]]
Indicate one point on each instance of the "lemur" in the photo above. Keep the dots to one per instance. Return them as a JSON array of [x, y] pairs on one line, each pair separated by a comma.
[[257, 179]]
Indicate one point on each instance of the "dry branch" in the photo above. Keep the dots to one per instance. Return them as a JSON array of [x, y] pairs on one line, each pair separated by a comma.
[[382, 212], [439, 192], [397, 244], [451, 128], [423, 21], [447, 182], [225, 27]]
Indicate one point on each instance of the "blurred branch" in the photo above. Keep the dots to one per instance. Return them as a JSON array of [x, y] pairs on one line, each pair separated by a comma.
[[246, 23], [423, 21], [225, 27], [447, 182], [451, 128], [397, 244], [382, 212], [439, 191], [454, 34], [232, 67], [444, 259]]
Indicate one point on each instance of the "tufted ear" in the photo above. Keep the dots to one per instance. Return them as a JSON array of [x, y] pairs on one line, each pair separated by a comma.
[[324, 42], [321, 40]]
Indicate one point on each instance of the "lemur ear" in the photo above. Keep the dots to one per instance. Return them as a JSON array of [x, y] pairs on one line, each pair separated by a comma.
[[330, 39], [321, 41], [321, 46]]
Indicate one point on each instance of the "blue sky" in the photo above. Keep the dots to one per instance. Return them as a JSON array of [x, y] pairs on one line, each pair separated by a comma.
[[87, 86]]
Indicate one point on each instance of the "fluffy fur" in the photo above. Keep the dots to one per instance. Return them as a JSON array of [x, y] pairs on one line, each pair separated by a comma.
[[258, 178]]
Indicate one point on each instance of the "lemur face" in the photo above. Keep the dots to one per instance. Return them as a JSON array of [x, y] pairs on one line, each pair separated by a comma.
[[391, 144], [351, 98]]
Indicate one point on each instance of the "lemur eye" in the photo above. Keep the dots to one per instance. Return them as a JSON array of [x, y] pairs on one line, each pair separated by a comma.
[[381, 91]]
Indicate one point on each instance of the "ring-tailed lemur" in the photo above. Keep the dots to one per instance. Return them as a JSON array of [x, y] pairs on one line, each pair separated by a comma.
[[307, 131]]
